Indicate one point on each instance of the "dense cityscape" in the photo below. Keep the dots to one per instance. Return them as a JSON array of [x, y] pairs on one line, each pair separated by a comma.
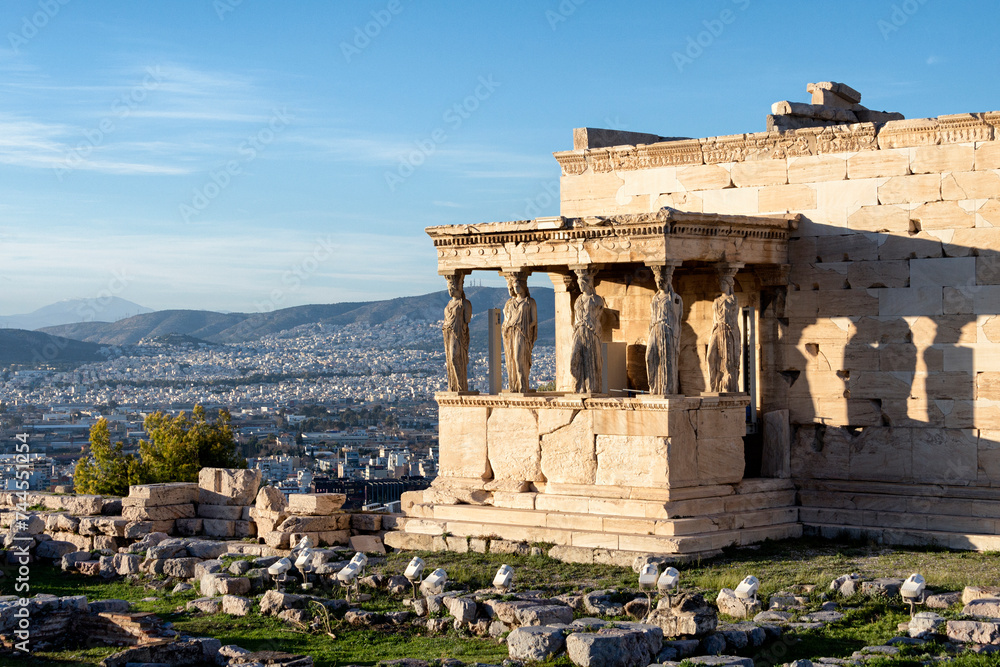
[[317, 407]]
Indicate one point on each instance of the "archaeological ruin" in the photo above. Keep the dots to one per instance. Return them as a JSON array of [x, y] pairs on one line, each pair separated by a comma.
[[757, 336]]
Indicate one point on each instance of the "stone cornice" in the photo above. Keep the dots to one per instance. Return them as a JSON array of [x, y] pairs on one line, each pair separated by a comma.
[[950, 129], [666, 221]]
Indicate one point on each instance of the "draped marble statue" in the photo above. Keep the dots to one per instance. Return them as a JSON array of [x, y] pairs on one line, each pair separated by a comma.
[[457, 314], [663, 346], [520, 331], [723, 345], [586, 367]]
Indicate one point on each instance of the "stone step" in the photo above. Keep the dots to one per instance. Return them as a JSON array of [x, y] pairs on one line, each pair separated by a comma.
[[898, 520], [702, 542], [649, 509], [613, 524], [903, 490], [924, 503], [902, 537]]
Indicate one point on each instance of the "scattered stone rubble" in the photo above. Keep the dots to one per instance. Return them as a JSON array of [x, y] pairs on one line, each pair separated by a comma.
[[232, 578]]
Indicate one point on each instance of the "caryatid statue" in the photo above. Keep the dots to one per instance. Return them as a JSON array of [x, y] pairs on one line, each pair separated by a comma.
[[723, 345], [457, 314], [520, 331], [585, 366], [663, 346]]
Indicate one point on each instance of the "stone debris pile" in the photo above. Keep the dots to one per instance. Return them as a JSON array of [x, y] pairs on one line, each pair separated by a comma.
[[282, 523]]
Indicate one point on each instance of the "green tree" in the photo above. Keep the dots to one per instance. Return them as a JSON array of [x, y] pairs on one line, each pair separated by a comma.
[[178, 447], [107, 470]]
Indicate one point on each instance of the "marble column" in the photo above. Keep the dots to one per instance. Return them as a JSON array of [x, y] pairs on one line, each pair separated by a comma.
[[564, 286]]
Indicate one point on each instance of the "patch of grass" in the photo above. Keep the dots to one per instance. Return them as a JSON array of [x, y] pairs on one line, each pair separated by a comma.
[[779, 566]]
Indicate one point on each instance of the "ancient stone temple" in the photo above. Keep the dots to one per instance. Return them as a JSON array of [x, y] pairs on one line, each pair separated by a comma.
[[756, 335]]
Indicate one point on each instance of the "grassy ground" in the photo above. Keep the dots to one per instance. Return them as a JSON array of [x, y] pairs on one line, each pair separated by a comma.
[[779, 566]]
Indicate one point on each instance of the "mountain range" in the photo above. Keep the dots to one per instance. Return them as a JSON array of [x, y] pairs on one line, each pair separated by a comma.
[[68, 311], [224, 328]]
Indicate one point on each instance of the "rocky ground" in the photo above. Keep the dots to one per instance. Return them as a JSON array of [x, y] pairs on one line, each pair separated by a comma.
[[827, 603]]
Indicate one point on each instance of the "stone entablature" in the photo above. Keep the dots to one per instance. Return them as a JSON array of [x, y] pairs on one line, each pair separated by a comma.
[[547, 244], [947, 129]]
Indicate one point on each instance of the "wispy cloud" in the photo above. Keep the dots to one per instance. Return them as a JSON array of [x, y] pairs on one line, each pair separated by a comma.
[[35, 145], [468, 160]]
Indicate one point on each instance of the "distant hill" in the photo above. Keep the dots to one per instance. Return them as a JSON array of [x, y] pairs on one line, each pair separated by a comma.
[[69, 311], [18, 346], [241, 327]]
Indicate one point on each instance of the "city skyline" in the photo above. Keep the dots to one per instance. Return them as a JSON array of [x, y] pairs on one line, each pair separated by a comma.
[[224, 155]]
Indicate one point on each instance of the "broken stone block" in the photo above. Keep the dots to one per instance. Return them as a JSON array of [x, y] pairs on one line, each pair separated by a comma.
[[189, 527], [314, 524], [207, 567], [943, 600], [159, 512], [983, 608], [226, 512], [369, 544], [205, 549], [535, 644], [369, 523], [266, 520], [126, 564], [219, 528], [54, 549], [270, 499], [273, 602], [315, 504], [228, 486], [730, 605], [884, 587], [547, 614], [973, 632], [609, 647], [204, 605], [462, 609], [687, 615], [235, 605], [174, 493], [181, 568], [925, 624], [70, 560], [971, 593]]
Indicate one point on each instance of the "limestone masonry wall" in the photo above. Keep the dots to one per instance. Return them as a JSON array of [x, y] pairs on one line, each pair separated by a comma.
[[885, 348]]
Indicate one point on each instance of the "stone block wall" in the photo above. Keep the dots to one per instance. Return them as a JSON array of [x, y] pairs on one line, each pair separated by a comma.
[[888, 338], [95, 523], [885, 346]]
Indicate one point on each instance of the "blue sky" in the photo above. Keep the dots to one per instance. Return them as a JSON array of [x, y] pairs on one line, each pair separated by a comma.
[[245, 155]]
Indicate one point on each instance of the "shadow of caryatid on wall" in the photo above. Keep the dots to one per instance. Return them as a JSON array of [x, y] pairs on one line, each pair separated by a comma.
[[889, 366]]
